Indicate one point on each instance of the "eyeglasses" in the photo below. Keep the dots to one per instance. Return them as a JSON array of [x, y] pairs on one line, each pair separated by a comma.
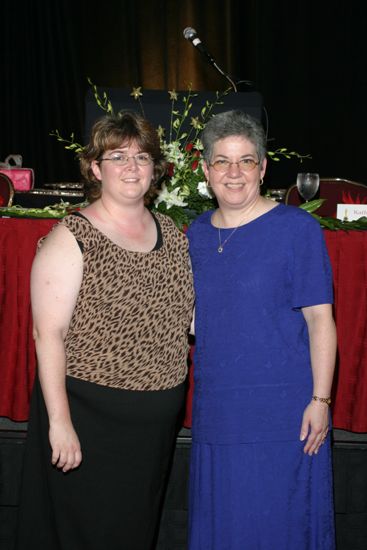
[[121, 159], [245, 165]]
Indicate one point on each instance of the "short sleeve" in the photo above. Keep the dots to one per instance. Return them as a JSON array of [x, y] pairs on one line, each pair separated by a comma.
[[311, 274]]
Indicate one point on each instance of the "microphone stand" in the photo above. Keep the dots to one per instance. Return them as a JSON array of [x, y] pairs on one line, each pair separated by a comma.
[[230, 80], [191, 35]]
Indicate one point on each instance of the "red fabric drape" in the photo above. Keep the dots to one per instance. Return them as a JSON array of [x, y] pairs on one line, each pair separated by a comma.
[[348, 254], [18, 242]]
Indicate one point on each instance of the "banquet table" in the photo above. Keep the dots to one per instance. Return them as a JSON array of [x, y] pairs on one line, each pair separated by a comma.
[[18, 243], [348, 254]]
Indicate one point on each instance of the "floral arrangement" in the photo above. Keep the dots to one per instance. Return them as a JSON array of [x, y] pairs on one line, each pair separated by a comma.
[[183, 193]]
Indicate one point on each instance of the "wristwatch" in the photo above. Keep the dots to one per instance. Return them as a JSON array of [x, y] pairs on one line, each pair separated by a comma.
[[326, 400]]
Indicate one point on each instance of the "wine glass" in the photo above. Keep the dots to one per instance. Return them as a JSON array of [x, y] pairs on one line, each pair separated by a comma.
[[307, 185]]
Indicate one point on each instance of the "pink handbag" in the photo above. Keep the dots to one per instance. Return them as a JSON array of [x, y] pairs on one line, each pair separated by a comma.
[[22, 178]]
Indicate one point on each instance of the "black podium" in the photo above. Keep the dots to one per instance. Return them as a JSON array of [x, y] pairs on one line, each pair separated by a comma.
[[157, 105]]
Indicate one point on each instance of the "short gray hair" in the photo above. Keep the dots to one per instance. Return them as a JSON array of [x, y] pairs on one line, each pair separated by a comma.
[[233, 123]]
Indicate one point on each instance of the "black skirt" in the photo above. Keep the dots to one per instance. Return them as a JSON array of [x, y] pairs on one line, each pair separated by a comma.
[[113, 500]]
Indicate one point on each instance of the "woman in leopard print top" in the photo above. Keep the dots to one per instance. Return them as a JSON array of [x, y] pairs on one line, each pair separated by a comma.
[[112, 300]]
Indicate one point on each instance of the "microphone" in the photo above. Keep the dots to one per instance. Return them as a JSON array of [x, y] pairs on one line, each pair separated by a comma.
[[191, 35]]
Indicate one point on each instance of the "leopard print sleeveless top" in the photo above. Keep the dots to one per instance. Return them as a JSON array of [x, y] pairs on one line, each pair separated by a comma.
[[129, 329]]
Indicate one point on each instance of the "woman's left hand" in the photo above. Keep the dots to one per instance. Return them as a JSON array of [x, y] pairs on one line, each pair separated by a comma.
[[315, 426]]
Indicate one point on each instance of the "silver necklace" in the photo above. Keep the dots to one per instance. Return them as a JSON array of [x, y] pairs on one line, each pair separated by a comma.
[[222, 244]]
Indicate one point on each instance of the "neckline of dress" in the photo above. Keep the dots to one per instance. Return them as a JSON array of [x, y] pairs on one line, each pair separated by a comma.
[[246, 224], [138, 252]]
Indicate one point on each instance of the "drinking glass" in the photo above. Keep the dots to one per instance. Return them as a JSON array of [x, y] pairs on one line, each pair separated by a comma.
[[307, 185]]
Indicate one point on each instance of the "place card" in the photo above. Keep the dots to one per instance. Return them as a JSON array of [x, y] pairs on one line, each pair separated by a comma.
[[350, 212]]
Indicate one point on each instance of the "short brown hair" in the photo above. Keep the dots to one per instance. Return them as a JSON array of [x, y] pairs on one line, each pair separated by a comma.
[[110, 132]]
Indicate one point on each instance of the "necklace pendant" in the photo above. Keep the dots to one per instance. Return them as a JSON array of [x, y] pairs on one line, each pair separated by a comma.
[[220, 249]]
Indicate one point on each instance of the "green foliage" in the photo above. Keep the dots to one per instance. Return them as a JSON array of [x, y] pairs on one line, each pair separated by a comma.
[[283, 152], [58, 210], [333, 223], [71, 144], [103, 102]]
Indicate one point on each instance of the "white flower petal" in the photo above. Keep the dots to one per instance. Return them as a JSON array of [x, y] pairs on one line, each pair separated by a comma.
[[203, 190], [171, 198]]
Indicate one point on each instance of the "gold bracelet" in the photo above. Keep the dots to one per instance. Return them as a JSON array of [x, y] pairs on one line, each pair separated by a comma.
[[326, 400]]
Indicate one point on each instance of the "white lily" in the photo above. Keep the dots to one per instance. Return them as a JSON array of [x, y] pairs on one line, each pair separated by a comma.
[[171, 198], [203, 190]]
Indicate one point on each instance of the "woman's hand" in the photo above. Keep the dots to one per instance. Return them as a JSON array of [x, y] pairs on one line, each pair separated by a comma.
[[315, 426], [56, 277], [322, 334], [66, 451]]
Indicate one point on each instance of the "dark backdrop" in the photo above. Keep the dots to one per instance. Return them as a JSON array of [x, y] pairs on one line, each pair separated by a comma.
[[307, 59]]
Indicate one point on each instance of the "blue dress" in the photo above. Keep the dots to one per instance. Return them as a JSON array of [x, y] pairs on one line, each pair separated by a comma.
[[251, 485]]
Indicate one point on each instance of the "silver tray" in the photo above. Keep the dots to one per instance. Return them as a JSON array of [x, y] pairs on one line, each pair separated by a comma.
[[64, 185]]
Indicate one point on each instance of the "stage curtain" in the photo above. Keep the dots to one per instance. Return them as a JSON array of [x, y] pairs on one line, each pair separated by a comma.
[[304, 58]]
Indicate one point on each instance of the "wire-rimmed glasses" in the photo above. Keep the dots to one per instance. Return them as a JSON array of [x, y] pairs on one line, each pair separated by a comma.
[[122, 159], [245, 165]]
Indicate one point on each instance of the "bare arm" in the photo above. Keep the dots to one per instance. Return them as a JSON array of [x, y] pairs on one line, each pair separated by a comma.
[[55, 282], [322, 333]]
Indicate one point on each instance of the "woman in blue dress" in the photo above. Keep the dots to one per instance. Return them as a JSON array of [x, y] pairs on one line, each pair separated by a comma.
[[261, 476]]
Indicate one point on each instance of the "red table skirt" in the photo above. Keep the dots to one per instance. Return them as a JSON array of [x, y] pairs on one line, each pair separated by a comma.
[[18, 242], [348, 254]]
